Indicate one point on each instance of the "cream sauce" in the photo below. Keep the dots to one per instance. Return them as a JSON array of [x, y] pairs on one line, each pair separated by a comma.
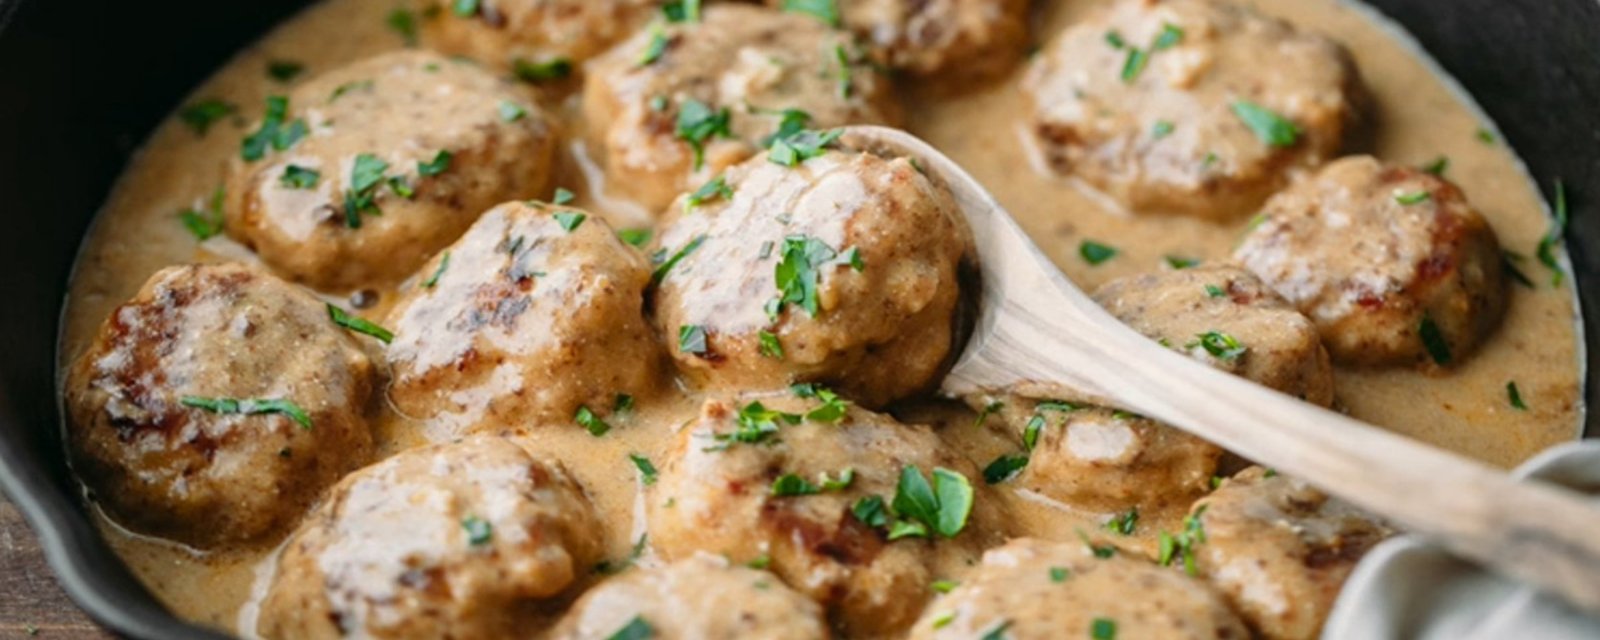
[[1421, 117]]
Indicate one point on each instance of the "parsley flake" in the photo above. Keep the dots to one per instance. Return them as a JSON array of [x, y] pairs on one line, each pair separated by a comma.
[[1096, 253], [587, 419], [825, 10], [479, 531], [201, 115], [439, 164], [1004, 468], [698, 123], [1433, 341], [692, 339], [273, 132], [238, 406], [712, 190], [1270, 127], [359, 325], [1515, 396], [570, 220], [541, 70], [647, 470]]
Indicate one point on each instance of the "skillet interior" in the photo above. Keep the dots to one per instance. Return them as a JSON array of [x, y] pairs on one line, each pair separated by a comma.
[[85, 82]]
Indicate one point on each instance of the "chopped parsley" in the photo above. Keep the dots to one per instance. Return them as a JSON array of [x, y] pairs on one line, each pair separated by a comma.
[[464, 8], [284, 70], [404, 22], [1115, 39], [1124, 523], [654, 49], [570, 220], [667, 265], [562, 196], [1004, 468], [1485, 135], [1438, 166], [1214, 291], [872, 511], [542, 70], [205, 224], [1184, 545], [1509, 260], [1096, 253], [1161, 129], [635, 237], [298, 177], [769, 344], [1220, 345], [1515, 396], [1031, 431], [358, 325], [636, 629], [790, 484], [1059, 574], [1169, 37], [479, 531], [803, 145], [589, 420], [697, 123], [433, 280], [1103, 629], [825, 10], [439, 164], [1268, 126], [1137, 59], [846, 86], [274, 132], [682, 10], [756, 423], [238, 406], [797, 274], [833, 407], [712, 190], [998, 632], [201, 115], [692, 339], [647, 470], [1134, 63], [942, 507], [1433, 341], [347, 87], [365, 176], [1415, 197], [1551, 242], [988, 410], [511, 111]]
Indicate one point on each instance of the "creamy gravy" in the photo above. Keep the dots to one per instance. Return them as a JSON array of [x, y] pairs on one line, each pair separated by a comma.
[[1420, 118]]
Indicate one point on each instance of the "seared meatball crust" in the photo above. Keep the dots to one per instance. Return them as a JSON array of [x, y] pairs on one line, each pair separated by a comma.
[[444, 541], [716, 494], [1152, 102], [533, 314], [183, 411], [1036, 590], [544, 34], [1280, 550], [673, 106], [1393, 264], [1108, 460], [1224, 316], [940, 40], [364, 197], [875, 318], [702, 597]]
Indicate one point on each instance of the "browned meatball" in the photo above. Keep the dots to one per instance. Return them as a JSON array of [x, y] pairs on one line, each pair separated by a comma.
[[1280, 550], [444, 541], [1391, 263], [216, 404], [670, 108], [1227, 318], [1108, 460], [1199, 107], [1035, 590], [939, 39], [533, 314], [776, 480], [842, 269], [539, 39], [703, 597], [400, 153]]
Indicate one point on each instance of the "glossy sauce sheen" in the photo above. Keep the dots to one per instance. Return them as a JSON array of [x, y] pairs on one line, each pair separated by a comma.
[[1420, 119]]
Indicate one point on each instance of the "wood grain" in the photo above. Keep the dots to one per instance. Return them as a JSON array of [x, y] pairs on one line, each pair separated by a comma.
[[32, 605], [1038, 334]]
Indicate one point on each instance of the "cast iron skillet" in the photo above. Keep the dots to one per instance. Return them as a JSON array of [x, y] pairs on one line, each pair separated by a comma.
[[83, 82]]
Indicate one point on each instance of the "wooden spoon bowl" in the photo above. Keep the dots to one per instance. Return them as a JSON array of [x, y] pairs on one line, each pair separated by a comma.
[[1038, 335]]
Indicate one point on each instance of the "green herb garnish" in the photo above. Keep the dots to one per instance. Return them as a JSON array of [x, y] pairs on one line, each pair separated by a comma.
[[250, 407], [825, 10], [541, 70], [647, 470], [479, 531], [511, 111], [1433, 341], [433, 280], [1270, 127], [359, 325], [1412, 198], [589, 420], [636, 629], [570, 220], [715, 188], [667, 265], [1220, 345], [692, 339], [284, 70], [297, 177], [1551, 242], [562, 196], [1004, 468], [1095, 253], [1515, 395], [404, 22], [439, 164], [201, 115], [205, 224], [273, 132], [698, 123]]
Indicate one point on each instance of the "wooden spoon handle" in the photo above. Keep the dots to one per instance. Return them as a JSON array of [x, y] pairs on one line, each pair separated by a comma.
[[1539, 533]]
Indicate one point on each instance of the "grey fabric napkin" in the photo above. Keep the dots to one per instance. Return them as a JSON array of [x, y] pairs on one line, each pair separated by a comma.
[[1407, 589]]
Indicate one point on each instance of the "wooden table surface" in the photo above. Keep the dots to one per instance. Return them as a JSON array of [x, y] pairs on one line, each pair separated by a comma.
[[31, 604]]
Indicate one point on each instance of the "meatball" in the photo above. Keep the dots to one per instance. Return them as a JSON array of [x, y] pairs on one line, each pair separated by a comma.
[[807, 486], [444, 541], [363, 172], [703, 597], [1391, 263], [539, 39], [843, 269], [1032, 589], [215, 405], [1280, 550], [670, 108], [1194, 107], [940, 39], [1226, 317], [535, 314], [1109, 460]]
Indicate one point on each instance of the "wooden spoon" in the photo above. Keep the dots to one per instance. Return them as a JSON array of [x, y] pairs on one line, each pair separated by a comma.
[[1037, 334]]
